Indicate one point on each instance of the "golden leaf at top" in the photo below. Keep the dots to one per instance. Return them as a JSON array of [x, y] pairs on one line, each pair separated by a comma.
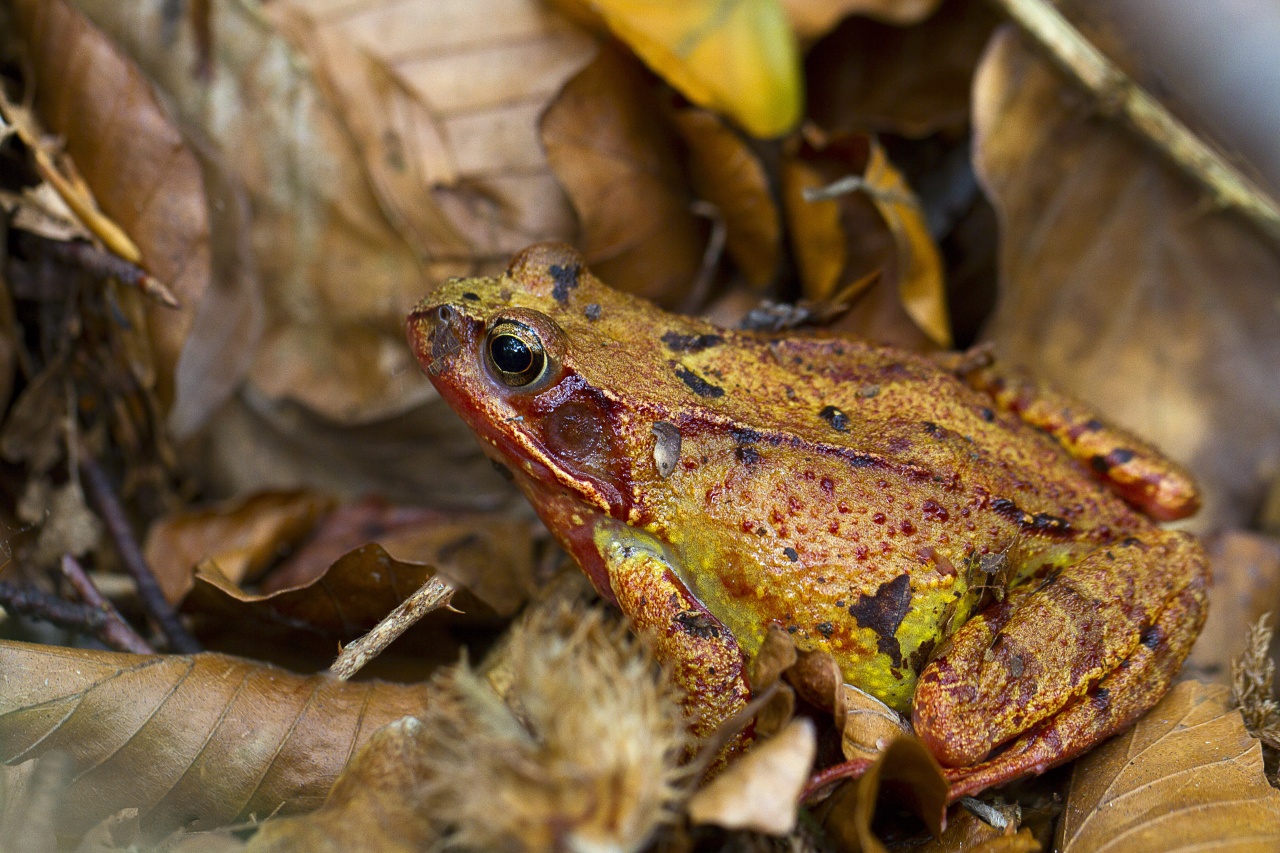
[[1186, 777], [737, 57]]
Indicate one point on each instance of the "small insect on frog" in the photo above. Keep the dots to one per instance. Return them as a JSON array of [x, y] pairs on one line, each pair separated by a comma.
[[713, 483]]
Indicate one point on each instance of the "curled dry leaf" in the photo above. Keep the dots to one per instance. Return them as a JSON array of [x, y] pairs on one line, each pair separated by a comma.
[[142, 172], [761, 790], [914, 81], [968, 833], [243, 537], [195, 742], [909, 767], [616, 157], [375, 806], [875, 225], [1122, 287], [725, 172], [867, 725], [812, 18], [1186, 777], [738, 59]]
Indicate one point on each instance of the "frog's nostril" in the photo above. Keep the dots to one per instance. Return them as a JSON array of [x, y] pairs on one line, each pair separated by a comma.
[[446, 314]]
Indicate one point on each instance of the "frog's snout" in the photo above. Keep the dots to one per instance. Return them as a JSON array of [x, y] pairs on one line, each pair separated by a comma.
[[434, 336]]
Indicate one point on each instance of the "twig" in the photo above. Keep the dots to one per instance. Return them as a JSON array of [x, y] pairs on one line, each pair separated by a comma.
[[1117, 94], [432, 595], [115, 632], [30, 601], [100, 264], [108, 505]]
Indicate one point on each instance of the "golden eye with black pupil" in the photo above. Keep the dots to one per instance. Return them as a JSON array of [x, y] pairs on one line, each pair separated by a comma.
[[515, 353]]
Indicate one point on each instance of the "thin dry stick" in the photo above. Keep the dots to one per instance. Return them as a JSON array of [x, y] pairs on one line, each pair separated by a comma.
[[1117, 94], [115, 632], [100, 264], [108, 505], [30, 601], [432, 595]]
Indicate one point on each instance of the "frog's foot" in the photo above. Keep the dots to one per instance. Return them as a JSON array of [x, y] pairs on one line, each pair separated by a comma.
[[1132, 468], [701, 654], [1065, 665]]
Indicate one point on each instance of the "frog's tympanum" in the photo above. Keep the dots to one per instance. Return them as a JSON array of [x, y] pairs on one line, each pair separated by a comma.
[[968, 548]]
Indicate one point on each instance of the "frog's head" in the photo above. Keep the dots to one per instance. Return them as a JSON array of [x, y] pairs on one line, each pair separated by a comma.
[[521, 359]]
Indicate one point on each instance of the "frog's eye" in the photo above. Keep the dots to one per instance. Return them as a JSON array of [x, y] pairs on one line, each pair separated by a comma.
[[516, 355]]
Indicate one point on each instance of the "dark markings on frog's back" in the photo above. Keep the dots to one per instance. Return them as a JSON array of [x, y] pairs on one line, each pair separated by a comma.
[[566, 279], [1119, 456], [677, 342], [1041, 522], [697, 384], [839, 420], [883, 611]]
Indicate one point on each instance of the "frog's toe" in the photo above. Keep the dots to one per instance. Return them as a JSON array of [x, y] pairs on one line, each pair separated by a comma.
[[1022, 661]]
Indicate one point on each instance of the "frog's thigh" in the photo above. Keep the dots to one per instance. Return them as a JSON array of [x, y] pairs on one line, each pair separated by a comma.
[[1119, 699], [703, 655], [1134, 469], [1011, 667]]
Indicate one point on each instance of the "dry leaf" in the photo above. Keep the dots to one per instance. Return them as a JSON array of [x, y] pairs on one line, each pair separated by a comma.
[[243, 537], [738, 59], [1246, 584], [725, 172], [812, 18], [194, 742], [613, 152], [761, 790], [967, 833], [142, 172], [375, 806], [915, 81], [1186, 777], [877, 225], [349, 599], [908, 766], [1121, 286], [867, 725]]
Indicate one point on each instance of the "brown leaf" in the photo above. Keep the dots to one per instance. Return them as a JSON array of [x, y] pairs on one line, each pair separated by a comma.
[[1122, 287], [1246, 584], [376, 804], [725, 172], [368, 583], [812, 18], [608, 144], [967, 833], [142, 172], [761, 790], [1185, 777], [243, 537], [907, 766], [875, 226], [867, 725], [915, 81], [194, 742]]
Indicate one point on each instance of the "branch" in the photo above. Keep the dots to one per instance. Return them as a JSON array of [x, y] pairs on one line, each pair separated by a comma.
[[108, 505], [115, 632], [1118, 94], [30, 601]]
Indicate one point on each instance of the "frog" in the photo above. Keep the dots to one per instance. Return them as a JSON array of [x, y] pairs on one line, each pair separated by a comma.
[[972, 549]]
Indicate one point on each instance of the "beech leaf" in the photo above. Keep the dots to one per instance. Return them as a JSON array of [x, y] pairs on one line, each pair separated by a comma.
[[192, 742], [737, 58], [761, 790], [1186, 777]]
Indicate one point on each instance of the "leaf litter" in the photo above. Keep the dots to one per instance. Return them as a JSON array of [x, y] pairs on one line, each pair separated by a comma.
[[433, 138]]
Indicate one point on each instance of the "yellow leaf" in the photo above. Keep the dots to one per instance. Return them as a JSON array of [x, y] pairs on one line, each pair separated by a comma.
[[737, 57]]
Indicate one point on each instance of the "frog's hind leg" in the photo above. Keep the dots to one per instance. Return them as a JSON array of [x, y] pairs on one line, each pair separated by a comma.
[[1065, 665], [1132, 468]]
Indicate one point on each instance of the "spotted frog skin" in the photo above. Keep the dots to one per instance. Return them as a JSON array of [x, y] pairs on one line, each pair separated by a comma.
[[967, 547]]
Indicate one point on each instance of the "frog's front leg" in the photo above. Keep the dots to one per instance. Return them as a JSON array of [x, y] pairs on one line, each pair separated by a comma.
[[1134, 469], [701, 653], [1065, 665]]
